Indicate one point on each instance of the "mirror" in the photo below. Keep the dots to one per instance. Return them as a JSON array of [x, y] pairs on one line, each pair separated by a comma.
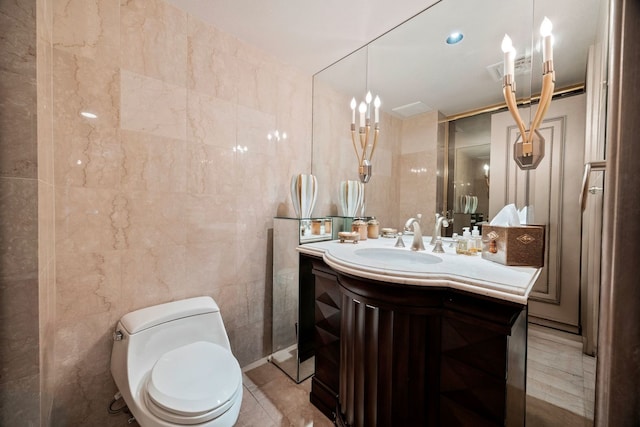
[[424, 83], [470, 172]]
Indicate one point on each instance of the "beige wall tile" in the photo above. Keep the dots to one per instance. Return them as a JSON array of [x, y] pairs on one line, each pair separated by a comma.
[[18, 152], [211, 120], [90, 220], [87, 28], [153, 163], [153, 36], [87, 151], [152, 219], [152, 106], [93, 278], [153, 276], [213, 67]]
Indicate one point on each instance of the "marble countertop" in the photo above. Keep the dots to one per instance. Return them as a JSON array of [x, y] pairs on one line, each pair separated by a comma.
[[464, 272]]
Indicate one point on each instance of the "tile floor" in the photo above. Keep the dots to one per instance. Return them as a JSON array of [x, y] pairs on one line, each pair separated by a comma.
[[560, 388]]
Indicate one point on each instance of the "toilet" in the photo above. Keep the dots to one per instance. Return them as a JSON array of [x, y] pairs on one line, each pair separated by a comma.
[[173, 365]]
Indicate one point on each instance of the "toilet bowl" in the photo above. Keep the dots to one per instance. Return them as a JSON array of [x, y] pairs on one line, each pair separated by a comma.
[[173, 365]]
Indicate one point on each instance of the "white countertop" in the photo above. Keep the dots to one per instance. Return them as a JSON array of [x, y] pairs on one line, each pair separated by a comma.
[[464, 272]]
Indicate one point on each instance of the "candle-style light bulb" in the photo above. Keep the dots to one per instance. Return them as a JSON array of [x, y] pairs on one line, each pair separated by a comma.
[[509, 55], [506, 43], [368, 97], [376, 104], [353, 111], [547, 39], [362, 109]]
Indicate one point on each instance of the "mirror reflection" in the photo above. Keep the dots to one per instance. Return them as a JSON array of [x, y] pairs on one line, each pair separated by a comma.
[[470, 151], [424, 82], [445, 144]]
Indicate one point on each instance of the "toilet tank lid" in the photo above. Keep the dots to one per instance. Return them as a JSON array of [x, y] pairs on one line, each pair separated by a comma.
[[146, 318]]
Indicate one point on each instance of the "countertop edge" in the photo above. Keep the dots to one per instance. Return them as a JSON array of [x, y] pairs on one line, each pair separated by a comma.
[[452, 281]]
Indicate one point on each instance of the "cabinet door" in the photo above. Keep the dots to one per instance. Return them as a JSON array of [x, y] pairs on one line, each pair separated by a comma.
[[326, 382]]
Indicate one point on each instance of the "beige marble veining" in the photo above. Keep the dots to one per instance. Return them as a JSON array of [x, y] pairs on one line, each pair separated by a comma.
[[91, 155], [93, 278], [153, 36], [154, 275], [87, 28], [18, 229], [18, 20], [210, 218], [211, 170], [152, 106], [153, 163], [211, 120], [84, 223], [80, 400], [150, 219], [17, 120], [212, 61], [83, 347], [212, 265], [20, 402]]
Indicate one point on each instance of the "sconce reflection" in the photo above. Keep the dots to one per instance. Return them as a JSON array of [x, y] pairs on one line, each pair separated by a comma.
[[486, 176]]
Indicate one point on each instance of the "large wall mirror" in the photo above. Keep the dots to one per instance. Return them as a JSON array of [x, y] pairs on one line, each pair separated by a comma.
[[445, 144], [425, 83]]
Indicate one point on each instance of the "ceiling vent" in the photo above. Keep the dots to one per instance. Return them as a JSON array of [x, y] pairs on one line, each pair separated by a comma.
[[521, 65], [412, 109]]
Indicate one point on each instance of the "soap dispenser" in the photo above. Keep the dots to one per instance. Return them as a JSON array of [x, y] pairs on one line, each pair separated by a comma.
[[463, 242], [476, 239]]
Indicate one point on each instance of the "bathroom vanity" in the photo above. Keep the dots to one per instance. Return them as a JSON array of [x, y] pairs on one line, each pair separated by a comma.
[[415, 338]]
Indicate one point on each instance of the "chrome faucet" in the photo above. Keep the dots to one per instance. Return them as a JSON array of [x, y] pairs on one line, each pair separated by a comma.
[[441, 221], [417, 244]]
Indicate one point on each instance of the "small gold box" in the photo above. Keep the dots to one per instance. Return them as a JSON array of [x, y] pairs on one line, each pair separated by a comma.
[[517, 246]]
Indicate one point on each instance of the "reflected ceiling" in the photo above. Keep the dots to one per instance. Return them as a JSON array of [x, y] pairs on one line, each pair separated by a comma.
[[412, 64], [309, 35]]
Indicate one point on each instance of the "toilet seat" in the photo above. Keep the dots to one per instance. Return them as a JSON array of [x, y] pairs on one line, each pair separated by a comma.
[[193, 384]]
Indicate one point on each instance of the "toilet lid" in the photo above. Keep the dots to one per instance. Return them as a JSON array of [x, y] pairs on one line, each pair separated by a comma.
[[194, 379]]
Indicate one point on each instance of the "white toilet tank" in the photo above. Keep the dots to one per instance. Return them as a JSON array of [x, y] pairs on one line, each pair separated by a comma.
[[143, 336]]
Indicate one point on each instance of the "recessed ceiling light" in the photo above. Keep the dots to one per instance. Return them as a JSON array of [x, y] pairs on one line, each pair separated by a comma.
[[455, 38]]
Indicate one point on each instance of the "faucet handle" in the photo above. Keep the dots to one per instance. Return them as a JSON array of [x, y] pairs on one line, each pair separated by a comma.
[[438, 247], [399, 242]]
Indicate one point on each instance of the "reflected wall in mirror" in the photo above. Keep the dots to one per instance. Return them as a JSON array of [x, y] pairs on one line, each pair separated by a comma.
[[469, 147], [432, 152], [422, 82]]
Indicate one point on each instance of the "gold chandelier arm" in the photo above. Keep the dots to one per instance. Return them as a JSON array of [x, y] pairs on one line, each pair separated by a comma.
[[375, 140], [548, 85], [364, 137], [353, 140], [510, 99]]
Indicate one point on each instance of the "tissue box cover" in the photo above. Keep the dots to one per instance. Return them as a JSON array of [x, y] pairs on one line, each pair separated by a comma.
[[519, 246]]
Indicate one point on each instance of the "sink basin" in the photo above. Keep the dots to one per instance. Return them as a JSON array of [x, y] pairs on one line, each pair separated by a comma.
[[397, 257]]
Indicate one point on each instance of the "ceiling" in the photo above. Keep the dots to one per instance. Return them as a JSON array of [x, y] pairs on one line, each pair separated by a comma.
[[309, 35], [411, 65]]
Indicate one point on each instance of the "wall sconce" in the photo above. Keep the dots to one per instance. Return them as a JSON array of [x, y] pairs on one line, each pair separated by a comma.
[[365, 148], [529, 147]]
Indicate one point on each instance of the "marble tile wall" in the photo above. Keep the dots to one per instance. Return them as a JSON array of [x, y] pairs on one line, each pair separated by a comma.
[[19, 336], [170, 192]]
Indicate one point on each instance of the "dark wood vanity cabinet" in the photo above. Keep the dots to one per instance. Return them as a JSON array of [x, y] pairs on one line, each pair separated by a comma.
[[325, 382], [399, 355]]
